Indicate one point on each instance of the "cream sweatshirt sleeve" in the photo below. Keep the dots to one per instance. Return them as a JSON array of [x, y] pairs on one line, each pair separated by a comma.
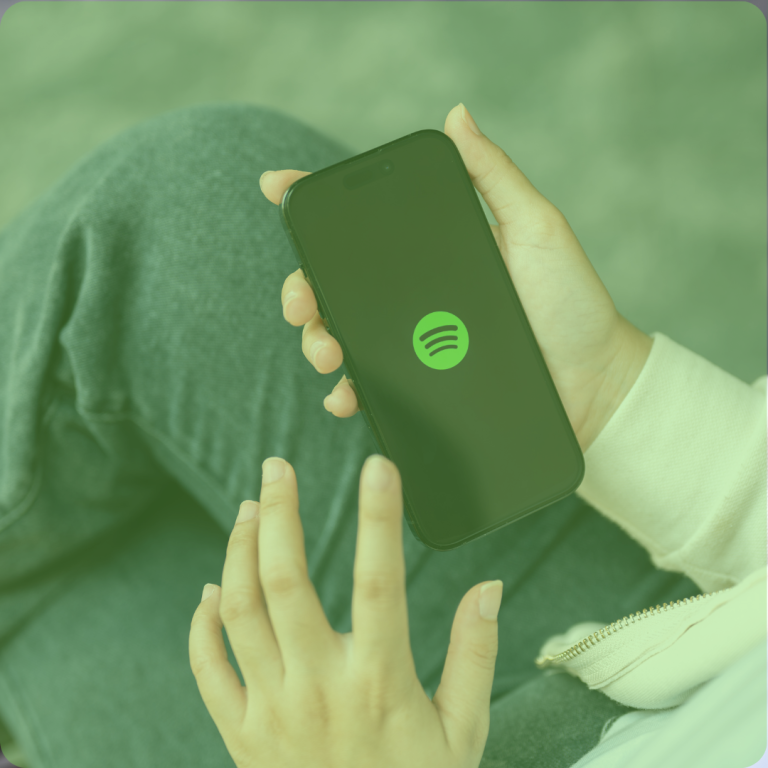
[[681, 467]]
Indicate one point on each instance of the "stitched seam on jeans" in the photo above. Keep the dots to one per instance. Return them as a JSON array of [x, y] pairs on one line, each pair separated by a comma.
[[167, 442]]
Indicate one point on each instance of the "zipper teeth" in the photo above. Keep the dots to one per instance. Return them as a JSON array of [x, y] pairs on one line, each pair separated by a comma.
[[590, 641]]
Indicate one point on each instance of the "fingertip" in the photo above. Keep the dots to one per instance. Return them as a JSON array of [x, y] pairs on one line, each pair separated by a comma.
[[346, 400], [490, 598], [263, 178], [208, 591]]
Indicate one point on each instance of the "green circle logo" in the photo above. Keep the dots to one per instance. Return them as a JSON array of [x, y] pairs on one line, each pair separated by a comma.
[[440, 340]]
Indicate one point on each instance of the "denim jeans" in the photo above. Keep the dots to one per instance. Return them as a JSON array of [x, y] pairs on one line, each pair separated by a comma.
[[146, 372]]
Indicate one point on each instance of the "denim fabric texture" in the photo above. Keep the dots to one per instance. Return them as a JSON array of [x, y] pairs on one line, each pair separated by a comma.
[[146, 371]]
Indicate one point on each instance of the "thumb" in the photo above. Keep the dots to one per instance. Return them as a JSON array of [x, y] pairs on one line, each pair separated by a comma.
[[463, 697], [510, 196]]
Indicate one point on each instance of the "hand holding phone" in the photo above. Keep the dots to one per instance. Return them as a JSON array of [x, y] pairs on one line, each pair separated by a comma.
[[485, 361], [592, 352]]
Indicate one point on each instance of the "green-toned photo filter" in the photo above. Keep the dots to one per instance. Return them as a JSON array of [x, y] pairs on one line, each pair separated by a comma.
[[440, 340]]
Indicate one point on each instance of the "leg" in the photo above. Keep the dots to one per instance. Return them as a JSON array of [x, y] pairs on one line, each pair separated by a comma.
[[141, 312], [152, 373], [142, 315]]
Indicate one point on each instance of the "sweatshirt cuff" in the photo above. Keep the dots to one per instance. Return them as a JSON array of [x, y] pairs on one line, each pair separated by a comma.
[[681, 467]]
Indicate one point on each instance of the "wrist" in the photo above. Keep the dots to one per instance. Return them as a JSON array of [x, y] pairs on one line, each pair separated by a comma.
[[632, 350]]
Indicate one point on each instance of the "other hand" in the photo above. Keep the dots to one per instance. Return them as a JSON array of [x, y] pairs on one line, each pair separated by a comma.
[[314, 698], [593, 353]]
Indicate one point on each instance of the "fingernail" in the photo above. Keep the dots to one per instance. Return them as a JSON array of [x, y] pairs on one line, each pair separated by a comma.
[[248, 510], [261, 178], [490, 599], [287, 301], [272, 469], [316, 347], [377, 472], [207, 591], [469, 120]]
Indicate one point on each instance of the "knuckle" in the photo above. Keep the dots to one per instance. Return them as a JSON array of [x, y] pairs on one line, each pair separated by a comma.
[[376, 512], [316, 703], [282, 580], [483, 656], [200, 664], [547, 221], [271, 503], [376, 695], [239, 535], [271, 724], [199, 624], [378, 586], [238, 603]]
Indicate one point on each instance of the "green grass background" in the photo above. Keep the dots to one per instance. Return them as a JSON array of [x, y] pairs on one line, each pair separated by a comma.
[[644, 122]]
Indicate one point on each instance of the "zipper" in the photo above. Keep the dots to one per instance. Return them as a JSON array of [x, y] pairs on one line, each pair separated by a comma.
[[590, 641]]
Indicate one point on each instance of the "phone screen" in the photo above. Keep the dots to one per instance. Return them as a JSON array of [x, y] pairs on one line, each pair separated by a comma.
[[448, 373]]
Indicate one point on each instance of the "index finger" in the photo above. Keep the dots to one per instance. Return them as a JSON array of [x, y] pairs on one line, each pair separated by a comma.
[[379, 605]]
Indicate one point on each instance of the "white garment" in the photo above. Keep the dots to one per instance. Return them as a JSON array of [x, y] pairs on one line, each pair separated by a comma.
[[722, 725], [681, 467]]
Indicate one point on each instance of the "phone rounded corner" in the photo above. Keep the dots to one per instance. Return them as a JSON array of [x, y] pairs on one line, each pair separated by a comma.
[[434, 133], [285, 202], [420, 536], [580, 471], [411, 520], [448, 141], [423, 540], [287, 195]]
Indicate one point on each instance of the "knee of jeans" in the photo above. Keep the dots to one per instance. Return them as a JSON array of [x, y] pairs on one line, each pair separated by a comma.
[[174, 227], [229, 138], [196, 169]]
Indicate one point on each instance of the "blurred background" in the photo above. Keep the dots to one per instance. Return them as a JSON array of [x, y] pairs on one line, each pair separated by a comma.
[[644, 123]]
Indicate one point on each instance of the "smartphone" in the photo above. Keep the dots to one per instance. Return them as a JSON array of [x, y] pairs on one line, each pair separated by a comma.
[[447, 372]]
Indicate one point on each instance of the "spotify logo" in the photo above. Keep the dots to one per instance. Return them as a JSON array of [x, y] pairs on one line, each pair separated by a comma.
[[440, 340]]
